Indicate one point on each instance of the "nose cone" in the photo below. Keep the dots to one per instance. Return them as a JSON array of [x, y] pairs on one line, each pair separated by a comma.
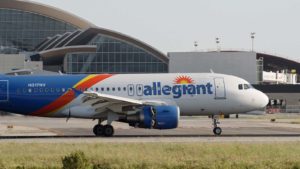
[[263, 99]]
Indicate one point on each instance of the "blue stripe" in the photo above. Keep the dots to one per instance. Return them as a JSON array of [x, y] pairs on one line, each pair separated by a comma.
[[24, 102]]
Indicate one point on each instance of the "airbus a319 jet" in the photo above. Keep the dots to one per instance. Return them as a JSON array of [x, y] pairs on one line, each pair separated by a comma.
[[150, 101]]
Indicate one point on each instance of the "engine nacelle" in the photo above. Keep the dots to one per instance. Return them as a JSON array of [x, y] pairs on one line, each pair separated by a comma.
[[157, 117]]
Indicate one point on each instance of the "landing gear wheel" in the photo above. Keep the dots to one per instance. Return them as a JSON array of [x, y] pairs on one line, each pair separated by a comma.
[[217, 131], [108, 130], [98, 130]]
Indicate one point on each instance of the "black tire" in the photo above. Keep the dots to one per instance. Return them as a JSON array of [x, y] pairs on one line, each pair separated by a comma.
[[217, 131], [98, 130], [108, 130]]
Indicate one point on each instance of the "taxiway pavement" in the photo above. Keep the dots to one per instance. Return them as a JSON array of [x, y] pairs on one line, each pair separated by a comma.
[[191, 129]]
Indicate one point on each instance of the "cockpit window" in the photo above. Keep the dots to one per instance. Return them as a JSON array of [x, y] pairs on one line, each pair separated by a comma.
[[240, 87], [247, 86]]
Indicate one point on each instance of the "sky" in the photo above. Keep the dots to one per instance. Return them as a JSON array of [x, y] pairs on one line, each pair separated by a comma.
[[174, 25]]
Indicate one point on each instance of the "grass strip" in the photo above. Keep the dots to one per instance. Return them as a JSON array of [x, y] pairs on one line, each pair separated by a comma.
[[154, 155]]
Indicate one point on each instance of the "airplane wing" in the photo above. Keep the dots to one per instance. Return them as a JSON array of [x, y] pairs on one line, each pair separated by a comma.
[[104, 102], [122, 100]]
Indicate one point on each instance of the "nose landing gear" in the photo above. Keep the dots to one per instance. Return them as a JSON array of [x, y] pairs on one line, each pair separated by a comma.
[[217, 130]]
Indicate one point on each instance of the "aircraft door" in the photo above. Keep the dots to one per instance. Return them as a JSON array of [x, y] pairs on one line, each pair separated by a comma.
[[220, 90], [4, 91]]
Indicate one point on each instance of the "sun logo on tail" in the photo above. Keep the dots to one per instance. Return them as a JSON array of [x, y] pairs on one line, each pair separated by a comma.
[[183, 80]]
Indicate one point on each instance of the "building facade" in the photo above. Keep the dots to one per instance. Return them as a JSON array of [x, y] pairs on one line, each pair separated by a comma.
[[106, 52], [241, 64], [67, 43], [23, 25]]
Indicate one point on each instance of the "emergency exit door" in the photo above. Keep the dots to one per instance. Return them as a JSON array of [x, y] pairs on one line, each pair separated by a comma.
[[3, 90], [220, 90]]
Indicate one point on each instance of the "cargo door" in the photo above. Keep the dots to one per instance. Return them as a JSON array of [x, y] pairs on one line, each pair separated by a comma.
[[220, 90], [4, 95]]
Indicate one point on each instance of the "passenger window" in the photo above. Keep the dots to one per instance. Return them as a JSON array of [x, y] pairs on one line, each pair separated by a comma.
[[240, 87], [97, 89], [119, 88], [102, 89], [107, 89], [124, 88], [113, 89]]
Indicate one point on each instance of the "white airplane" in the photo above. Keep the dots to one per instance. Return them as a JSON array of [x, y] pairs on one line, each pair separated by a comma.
[[154, 101]]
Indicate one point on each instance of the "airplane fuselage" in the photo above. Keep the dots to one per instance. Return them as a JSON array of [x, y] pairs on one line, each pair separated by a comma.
[[194, 93]]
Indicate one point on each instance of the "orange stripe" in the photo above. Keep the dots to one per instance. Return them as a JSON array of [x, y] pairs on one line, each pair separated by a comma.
[[92, 81], [63, 100], [60, 102]]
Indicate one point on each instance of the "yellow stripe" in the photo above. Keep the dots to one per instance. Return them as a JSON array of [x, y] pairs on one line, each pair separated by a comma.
[[84, 80], [79, 83]]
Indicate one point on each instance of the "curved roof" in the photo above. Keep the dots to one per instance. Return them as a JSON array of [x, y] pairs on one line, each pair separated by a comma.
[[80, 37], [85, 36], [54, 56], [274, 63], [126, 38], [45, 10]]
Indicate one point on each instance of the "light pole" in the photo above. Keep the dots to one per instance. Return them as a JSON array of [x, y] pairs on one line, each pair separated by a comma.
[[252, 35], [218, 42]]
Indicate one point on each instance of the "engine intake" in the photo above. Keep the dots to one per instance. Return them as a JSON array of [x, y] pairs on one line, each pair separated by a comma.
[[158, 117]]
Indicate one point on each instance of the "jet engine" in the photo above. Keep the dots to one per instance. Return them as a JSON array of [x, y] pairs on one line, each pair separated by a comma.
[[156, 117]]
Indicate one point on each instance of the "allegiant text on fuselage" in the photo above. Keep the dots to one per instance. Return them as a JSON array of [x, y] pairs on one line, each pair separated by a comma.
[[177, 90]]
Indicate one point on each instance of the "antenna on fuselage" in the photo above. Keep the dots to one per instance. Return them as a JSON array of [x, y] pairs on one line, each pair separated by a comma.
[[211, 71]]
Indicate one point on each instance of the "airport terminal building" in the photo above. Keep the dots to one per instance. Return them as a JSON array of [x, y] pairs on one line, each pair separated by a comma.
[[255, 67], [67, 43]]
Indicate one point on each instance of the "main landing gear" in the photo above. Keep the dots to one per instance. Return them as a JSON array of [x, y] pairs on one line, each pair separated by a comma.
[[103, 130], [217, 130]]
